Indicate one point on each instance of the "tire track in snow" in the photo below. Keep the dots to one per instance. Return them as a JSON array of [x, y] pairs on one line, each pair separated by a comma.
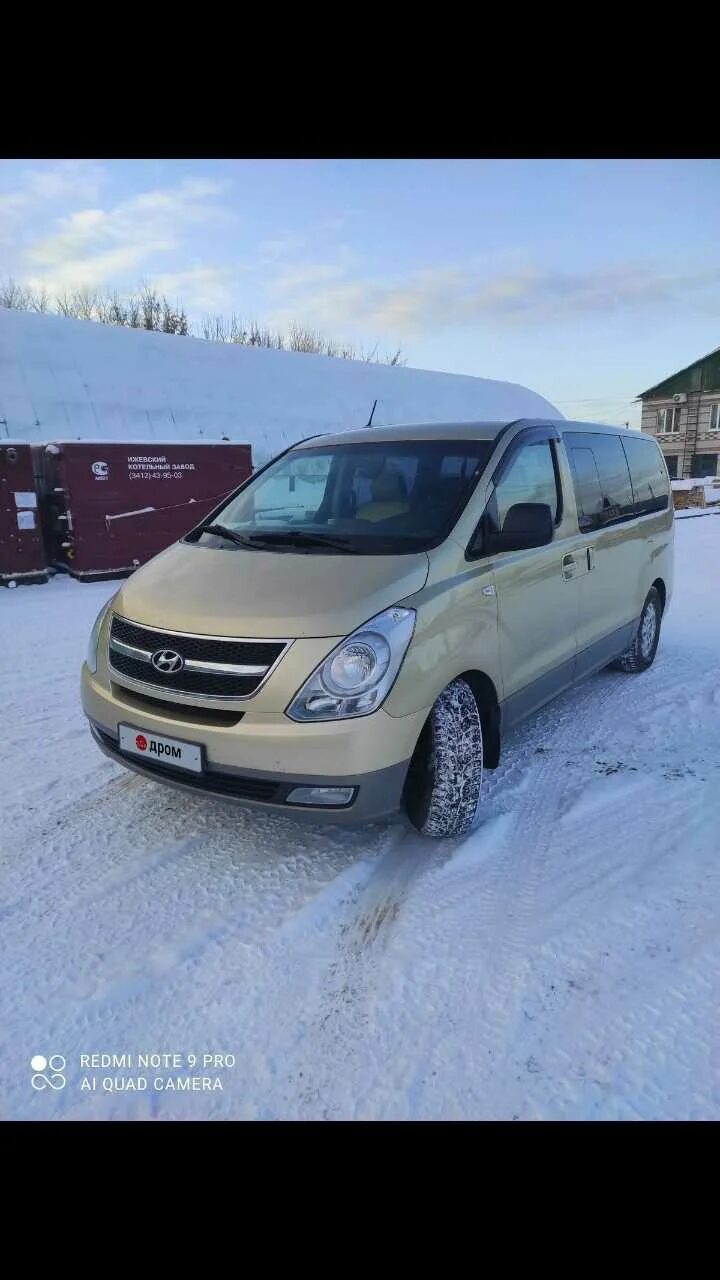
[[337, 1032], [620, 1057], [542, 913], [494, 891]]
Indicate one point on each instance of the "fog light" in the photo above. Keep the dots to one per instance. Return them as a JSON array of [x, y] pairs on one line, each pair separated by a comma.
[[321, 795]]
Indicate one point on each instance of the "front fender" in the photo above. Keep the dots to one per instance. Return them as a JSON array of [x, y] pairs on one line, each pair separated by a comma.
[[456, 631]]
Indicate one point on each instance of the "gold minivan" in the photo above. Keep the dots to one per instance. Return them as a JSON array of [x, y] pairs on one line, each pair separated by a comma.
[[350, 634]]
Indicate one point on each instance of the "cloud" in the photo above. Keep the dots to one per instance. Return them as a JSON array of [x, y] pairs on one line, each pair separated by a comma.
[[446, 297], [92, 247], [304, 275], [287, 245], [205, 288], [64, 181], [68, 179]]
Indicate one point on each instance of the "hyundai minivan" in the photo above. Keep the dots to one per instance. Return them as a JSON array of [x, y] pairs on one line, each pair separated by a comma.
[[351, 633]]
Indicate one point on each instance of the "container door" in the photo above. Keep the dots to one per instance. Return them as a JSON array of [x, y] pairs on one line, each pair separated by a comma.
[[22, 554]]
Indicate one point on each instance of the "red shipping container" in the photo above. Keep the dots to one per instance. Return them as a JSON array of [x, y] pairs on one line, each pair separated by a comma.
[[109, 508], [22, 555]]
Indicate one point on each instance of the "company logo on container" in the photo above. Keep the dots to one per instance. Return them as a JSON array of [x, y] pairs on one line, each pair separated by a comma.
[[100, 470], [141, 742]]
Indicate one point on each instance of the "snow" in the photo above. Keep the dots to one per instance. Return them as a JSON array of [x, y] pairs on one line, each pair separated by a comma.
[[66, 379], [562, 962]]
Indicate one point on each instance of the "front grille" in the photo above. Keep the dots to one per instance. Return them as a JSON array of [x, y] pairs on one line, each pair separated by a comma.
[[199, 648], [223, 784], [197, 682], [132, 646]]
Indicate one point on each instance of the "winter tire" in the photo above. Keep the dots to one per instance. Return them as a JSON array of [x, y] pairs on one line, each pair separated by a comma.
[[641, 653], [442, 792]]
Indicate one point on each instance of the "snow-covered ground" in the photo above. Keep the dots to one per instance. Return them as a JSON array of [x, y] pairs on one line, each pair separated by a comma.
[[561, 962]]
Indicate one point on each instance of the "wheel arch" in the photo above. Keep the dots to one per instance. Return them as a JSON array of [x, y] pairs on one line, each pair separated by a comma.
[[661, 589], [489, 707], [490, 718]]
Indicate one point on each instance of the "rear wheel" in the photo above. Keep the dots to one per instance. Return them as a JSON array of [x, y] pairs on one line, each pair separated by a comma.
[[641, 653], [442, 792]]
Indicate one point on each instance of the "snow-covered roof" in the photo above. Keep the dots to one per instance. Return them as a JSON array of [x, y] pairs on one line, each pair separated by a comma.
[[64, 379]]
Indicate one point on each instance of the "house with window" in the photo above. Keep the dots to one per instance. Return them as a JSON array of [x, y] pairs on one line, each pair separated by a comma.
[[683, 412]]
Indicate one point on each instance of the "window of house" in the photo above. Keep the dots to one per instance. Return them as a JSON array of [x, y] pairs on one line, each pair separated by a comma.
[[601, 479], [703, 466], [668, 419], [715, 417]]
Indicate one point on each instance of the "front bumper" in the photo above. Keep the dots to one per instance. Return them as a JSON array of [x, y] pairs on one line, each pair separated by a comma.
[[258, 758], [376, 795]]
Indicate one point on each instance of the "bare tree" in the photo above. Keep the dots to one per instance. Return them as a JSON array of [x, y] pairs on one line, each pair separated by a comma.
[[174, 319], [133, 312], [86, 304], [39, 301], [81, 304], [147, 309], [214, 329], [301, 338], [150, 308], [63, 304], [118, 311], [13, 295]]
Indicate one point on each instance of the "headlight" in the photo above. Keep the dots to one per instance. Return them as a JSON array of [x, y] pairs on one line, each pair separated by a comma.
[[93, 642], [356, 677]]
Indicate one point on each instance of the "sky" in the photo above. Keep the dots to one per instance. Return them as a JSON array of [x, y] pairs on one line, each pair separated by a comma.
[[586, 280]]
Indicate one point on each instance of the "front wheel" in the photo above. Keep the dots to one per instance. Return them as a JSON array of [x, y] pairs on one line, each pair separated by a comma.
[[444, 781], [641, 653]]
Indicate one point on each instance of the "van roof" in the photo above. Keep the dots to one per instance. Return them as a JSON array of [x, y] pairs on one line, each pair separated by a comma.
[[450, 431]]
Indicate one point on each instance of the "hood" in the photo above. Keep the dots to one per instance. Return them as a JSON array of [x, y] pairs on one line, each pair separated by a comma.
[[231, 591]]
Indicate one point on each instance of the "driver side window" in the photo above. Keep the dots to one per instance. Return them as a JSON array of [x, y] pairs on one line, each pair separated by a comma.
[[530, 477]]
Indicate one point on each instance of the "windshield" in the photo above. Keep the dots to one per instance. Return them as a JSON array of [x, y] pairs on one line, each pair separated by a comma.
[[374, 499]]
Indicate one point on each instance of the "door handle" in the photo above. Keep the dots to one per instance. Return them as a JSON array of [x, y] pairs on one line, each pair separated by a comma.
[[569, 564], [590, 558]]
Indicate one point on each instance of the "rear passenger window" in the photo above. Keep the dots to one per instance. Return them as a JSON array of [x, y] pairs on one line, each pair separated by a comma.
[[648, 474], [601, 479], [586, 482]]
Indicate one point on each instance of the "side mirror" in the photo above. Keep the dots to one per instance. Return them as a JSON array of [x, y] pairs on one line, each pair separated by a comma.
[[527, 524]]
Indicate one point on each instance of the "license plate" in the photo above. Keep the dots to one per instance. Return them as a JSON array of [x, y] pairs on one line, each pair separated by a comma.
[[156, 750]]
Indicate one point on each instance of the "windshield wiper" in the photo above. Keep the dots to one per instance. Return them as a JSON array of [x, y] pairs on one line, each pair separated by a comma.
[[222, 531], [301, 538]]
